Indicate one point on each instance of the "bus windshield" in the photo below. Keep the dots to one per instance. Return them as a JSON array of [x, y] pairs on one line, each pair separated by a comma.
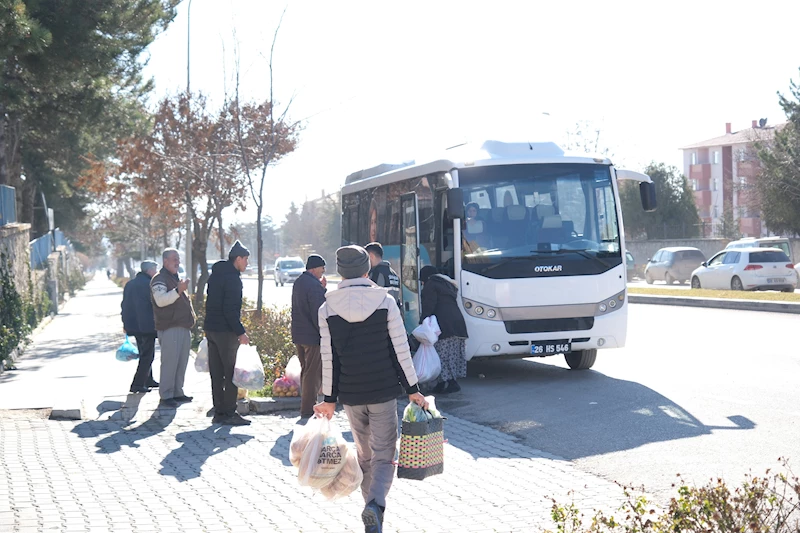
[[520, 217]]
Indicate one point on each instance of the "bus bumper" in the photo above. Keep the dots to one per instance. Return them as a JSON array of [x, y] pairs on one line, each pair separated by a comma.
[[489, 338]]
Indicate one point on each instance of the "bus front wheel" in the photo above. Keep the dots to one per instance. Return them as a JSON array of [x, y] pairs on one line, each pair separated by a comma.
[[581, 360]]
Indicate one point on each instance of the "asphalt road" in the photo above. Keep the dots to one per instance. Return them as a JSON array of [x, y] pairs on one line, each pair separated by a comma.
[[697, 392]]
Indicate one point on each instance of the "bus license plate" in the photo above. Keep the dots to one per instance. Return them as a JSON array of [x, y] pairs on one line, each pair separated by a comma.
[[550, 347], [776, 280]]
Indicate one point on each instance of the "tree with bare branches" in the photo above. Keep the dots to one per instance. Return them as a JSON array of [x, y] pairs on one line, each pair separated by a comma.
[[263, 137]]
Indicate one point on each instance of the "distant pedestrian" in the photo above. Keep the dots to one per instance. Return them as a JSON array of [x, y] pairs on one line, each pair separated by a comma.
[[381, 272], [137, 320], [225, 332], [308, 294], [366, 364], [174, 318], [439, 294], [108, 273]]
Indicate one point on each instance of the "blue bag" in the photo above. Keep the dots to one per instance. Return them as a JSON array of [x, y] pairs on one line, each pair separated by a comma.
[[127, 352]]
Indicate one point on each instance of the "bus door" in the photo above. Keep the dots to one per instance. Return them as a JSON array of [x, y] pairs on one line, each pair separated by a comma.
[[409, 260]]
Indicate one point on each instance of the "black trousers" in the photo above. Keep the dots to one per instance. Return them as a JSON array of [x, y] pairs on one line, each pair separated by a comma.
[[147, 350], [222, 348]]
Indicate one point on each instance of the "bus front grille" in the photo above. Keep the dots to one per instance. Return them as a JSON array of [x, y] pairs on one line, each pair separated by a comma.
[[550, 324]]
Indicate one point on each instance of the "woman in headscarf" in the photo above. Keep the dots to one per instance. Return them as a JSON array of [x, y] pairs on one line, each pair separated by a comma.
[[439, 294]]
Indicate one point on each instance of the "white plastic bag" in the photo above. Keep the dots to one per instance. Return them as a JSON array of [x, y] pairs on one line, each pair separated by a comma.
[[428, 332], [324, 453], [201, 361], [293, 370], [347, 480], [249, 371], [427, 364]]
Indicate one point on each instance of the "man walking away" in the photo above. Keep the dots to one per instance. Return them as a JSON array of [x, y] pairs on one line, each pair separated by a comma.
[[137, 320], [308, 294], [174, 318], [225, 332], [366, 364], [381, 271]]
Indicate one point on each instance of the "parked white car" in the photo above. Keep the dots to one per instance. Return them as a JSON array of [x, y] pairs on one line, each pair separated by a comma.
[[747, 269]]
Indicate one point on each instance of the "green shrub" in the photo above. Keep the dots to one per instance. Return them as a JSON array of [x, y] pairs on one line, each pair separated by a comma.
[[768, 504], [271, 334], [14, 326]]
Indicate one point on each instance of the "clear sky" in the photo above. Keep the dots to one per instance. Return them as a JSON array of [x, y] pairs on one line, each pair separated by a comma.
[[378, 82]]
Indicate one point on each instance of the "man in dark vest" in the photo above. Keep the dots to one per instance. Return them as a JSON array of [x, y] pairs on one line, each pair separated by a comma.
[[381, 271], [137, 320], [174, 318], [225, 332], [366, 364], [308, 293]]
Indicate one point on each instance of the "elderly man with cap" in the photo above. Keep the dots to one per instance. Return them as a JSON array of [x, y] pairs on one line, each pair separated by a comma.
[[308, 294], [366, 365], [225, 332], [137, 320]]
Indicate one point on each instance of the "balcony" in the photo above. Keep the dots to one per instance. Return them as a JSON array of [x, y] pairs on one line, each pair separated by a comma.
[[700, 172], [750, 227], [748, 169], [702, 198]]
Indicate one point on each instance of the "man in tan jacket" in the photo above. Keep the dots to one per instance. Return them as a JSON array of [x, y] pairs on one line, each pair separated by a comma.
[[174, 318]]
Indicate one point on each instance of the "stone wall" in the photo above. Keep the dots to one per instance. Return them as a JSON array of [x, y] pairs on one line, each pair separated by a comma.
[[643, 250], [14, 240]]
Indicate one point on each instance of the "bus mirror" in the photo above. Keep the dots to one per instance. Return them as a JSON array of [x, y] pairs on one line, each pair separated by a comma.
[[455, 203], [647, 192]]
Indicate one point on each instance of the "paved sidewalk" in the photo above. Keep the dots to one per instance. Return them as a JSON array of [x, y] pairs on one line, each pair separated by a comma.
[[136, 468]]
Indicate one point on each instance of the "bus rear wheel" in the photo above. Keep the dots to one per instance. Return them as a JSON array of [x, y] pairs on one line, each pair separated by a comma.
[[581, 360]]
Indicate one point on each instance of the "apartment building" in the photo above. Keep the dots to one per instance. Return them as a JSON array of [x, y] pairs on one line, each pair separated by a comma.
[[722, 171]]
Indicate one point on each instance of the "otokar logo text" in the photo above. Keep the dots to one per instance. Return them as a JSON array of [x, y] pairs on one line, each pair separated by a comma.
[[548, 268]]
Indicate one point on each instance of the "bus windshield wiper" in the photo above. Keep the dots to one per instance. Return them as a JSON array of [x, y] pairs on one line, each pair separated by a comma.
[[580, 251], [505, 262]]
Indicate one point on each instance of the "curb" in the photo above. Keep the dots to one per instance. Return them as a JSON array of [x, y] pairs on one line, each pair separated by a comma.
[[262, 406], [717, 303]]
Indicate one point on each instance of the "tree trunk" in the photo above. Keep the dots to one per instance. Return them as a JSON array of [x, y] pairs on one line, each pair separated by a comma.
[[200, 259], [260, 246], [25, 212], [4, 179], [222, 254]]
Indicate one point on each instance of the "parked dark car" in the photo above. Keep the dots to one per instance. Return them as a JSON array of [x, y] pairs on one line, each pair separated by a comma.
[[673, 264]]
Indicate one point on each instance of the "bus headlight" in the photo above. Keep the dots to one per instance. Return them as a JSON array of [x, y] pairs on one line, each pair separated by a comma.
[[491, 313], [613, 303], [467, 305], [479, 310]]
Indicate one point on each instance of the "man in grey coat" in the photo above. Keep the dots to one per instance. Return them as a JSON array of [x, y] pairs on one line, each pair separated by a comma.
[[308, 294]]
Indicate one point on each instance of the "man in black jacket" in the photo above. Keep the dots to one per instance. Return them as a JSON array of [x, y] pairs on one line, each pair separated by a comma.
[[381, 271], [308, 293], [225, 332], [137, 320], [366, 364]]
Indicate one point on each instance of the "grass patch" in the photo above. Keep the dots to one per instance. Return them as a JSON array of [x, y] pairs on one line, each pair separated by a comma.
[[771, 296]]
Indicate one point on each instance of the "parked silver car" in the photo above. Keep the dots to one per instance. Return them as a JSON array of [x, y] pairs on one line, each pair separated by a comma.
[[673, 264]]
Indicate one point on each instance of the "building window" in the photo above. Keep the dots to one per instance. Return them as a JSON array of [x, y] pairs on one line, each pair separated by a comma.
[[713, 184], [716, 158], [694, 185], [694, 158], [716, 211], [743, 181]]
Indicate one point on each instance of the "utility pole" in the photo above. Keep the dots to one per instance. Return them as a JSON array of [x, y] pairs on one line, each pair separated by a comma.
[[189, 268]]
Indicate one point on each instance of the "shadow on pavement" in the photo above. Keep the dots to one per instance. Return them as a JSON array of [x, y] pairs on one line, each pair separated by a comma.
[[568, 414], [280, 450], [117, 426], [186, 462]]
